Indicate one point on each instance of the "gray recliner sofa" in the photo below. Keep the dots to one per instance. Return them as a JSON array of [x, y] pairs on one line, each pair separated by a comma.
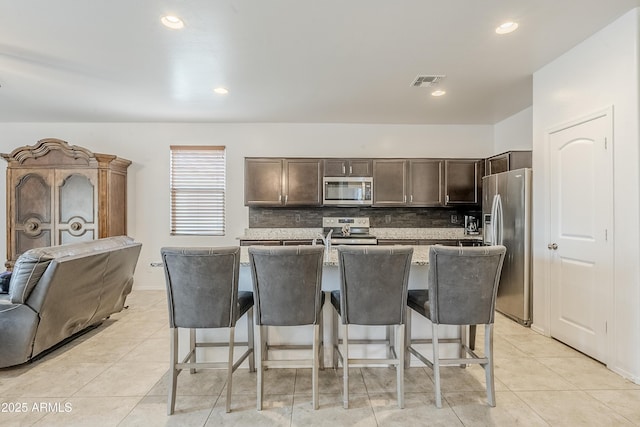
[[58, 291]]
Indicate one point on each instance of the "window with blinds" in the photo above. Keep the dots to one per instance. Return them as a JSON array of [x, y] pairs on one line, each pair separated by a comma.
[[198, 185]]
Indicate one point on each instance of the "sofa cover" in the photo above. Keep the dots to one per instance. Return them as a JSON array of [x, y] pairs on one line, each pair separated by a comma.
[[58, 291]]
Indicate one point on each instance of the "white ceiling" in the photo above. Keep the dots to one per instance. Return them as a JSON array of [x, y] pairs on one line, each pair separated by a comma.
[[307, 61]]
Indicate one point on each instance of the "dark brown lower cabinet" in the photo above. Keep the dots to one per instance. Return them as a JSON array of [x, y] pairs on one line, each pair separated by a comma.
[[260, 243], [397, 242], [298, 242]]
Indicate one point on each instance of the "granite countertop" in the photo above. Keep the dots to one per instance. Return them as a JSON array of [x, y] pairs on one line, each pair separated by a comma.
[[420, 256], [280, 233], [424, 233], [381, 233]]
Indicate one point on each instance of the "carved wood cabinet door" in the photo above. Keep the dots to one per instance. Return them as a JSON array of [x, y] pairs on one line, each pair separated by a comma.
[[31, 214], [76, 206], [54, 207]]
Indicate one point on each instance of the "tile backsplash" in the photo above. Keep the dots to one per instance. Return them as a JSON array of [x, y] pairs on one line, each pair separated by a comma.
[[380, 217]]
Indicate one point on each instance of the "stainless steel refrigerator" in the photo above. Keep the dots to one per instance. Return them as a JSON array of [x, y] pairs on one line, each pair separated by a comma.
[[506, 213]]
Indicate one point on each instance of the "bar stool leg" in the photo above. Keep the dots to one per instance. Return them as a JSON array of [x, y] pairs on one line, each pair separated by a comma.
[[174, 372], [463, 342], [264, 332], [472, 337], [316, 365], [407, 339], [250, 342], [488, 368], [320, 350], [345, 366], [400, 365], [192, 348], [391, 342], [232, 334], [260, 360], [436, 365], [334, 339]]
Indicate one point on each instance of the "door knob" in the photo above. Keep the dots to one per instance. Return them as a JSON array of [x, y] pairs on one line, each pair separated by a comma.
[[553, 246]]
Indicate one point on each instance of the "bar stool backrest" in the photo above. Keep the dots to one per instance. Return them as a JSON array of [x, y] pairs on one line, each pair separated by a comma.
[[463, 284], [373, 284], [202, 286], [287, 284]]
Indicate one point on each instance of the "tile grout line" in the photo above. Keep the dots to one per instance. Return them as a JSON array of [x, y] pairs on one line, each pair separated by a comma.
[[607, 405], [517, 395]]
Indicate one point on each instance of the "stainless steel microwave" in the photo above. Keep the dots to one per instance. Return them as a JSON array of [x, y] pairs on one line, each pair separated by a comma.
[[347, 191]]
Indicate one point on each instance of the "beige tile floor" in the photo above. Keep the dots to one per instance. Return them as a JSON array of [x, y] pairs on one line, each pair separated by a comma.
[[116, 376]]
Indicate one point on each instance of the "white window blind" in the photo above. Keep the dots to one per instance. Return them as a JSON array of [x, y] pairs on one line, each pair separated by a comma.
[[198, 185]]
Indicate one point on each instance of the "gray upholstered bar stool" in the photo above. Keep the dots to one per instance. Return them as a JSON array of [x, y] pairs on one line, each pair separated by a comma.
[[373, 291], [287, 284], [462, 289], [202, 291]]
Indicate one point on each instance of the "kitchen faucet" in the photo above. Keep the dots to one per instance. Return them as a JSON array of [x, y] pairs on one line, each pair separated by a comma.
[[326, 241]]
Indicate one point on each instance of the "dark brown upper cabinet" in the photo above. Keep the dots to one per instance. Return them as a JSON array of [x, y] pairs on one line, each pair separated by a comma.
[[283, 182], [407, 182], [302, 182], [425, 182], [396, 182], [389, 182], [263, 182], [462, 181], [348, 167], [507, 161]]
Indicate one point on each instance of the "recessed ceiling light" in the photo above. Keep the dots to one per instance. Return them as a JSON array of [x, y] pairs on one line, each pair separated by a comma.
[[438, 92], [507, 27], [221, 91], [172, 22]]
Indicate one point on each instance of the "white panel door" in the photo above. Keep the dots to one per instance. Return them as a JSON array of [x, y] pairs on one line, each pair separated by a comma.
[[581, 190]]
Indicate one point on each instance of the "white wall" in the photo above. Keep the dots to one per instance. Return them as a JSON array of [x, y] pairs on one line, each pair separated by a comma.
[[600, 72], [147, 146], [515, 132]]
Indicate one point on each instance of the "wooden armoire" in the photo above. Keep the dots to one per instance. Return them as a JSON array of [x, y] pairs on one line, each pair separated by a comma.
[[59, 193]]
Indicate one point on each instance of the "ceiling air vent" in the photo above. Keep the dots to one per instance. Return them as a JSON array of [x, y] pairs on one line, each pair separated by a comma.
[[427, 80]]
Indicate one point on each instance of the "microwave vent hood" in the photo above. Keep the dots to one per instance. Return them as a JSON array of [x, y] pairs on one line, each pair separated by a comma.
[[347, 191]]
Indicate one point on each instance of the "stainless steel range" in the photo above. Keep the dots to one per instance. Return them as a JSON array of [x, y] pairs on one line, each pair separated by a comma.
[[348, 231]]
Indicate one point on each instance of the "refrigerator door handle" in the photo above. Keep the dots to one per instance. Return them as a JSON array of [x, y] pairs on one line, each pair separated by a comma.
[[499, 222], [494, 219]]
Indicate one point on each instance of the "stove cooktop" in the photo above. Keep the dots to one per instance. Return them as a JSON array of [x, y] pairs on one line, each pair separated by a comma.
[[348, 230]]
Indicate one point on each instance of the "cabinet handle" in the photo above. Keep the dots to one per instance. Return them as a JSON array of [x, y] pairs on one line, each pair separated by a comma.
[[343, 169], [411, 199], [286, 199], [279, 198], [350, 170], [446, 198], [405, 198], [552, 246]]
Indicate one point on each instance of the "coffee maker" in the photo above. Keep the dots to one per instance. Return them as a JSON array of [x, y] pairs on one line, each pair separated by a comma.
[[471, 225]]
